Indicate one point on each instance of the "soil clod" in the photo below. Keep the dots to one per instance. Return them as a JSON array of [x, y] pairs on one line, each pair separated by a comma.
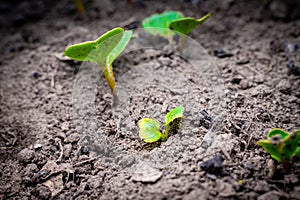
[[221, 53], [213, 166]]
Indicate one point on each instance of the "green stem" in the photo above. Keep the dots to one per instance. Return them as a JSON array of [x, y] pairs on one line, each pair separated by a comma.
[[170, 39], [110, 78], [164, 135], [182, 43]]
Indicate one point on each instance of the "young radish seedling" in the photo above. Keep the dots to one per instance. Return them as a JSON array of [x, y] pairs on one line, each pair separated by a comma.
[[282, 146], [102, 51], [162, 24], [150, 128]]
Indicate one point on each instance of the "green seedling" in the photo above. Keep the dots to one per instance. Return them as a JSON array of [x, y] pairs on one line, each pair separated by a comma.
[[150, 128], [185, 26], [158, 24], [163, 24], [281, 145], [80, 7], [102, 51]]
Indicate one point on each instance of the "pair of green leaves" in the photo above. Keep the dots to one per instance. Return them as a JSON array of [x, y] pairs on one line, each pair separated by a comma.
[[102, 51], [162, 24], [150, 128], [281, 145]]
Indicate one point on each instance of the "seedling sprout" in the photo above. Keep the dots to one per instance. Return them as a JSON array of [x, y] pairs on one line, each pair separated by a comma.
[[162, 24], [281, 145], [150, 128], [185, 26], [158, 24], [102, 51]]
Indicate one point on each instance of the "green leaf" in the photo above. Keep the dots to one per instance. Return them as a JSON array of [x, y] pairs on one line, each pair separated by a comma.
[[187, 25], [271, 148], [172, 121], [277, 131], [119, 47], [98, 50], [149, 130], [176, 113], [289, 146], [81, 51], [159, 23], [103, 51], [297, 152], [283, 148]]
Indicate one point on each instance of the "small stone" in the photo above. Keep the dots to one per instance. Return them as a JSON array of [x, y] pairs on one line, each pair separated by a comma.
[[262, 186], [242, 61], [36, 75], [37, 145], [284, 86], [213, 166], [259, 78], [26, 155], [95, 182], [291, 179], [236, 79], [74, 137], [85, 150], [197, 194], [269, 195], [67, 167], [293, 68], [220, 53], [244, 84], [65, 126], [146, 174], [67, 150], [61, 135], [42, 192]]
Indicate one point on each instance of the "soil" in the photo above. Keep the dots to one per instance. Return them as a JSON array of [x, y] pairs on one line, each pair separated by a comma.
[[62, 139]]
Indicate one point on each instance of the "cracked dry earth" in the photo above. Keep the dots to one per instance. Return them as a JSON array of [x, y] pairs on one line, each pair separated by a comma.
[[43, 149]]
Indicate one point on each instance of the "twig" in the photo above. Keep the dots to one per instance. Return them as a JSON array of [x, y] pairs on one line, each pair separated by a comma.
[[237, 127], [85, 161], [225, 153], [253, 70], [79, 147], [249, 140], [1, 94], [127, 22], [61, 151]]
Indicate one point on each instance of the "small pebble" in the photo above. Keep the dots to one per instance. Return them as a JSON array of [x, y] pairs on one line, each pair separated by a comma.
[[244, 84], [26, 155], [213, 166], [220, 53], [85, 150]]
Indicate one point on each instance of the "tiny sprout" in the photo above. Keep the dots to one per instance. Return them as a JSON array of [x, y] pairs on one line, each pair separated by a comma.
[[185, 26], [281, 145], [150, 128], [102, 51], [159, 23], [162, 24]]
